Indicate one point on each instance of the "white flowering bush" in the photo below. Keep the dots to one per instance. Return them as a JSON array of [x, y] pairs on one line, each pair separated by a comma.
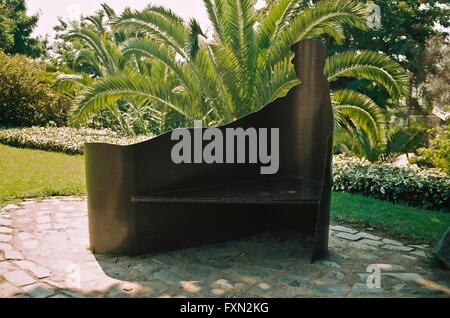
[[427, 188], [63, 139]]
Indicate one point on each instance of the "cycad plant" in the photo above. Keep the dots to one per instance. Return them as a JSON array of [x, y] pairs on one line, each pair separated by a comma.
[[244, 66]]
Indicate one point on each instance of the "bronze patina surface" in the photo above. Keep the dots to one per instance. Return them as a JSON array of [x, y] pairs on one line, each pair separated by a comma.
[[140, 201]]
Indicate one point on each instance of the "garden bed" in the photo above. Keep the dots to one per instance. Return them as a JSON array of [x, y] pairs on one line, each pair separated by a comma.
[[62, 139], [426, 188]]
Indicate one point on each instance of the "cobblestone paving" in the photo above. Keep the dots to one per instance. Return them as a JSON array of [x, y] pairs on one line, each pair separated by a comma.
[[44, 252]]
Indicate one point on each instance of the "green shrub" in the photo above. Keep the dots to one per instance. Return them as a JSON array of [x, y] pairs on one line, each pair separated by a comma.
[[426, 188], [438, 155], [26, 98], [63, 139]]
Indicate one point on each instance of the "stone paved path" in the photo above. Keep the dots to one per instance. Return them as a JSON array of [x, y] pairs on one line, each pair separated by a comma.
[[44, 252]]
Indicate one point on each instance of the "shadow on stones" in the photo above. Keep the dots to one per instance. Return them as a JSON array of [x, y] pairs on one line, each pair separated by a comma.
[[219, 270]]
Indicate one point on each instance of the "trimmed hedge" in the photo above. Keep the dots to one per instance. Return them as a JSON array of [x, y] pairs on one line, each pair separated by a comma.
[[64, 139], [426, 188]]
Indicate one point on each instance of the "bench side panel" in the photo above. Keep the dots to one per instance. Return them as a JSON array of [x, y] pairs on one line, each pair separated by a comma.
[[110, 182]]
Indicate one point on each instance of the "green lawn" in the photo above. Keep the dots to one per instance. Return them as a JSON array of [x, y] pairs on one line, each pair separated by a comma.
[[411, 223], [28, 173]]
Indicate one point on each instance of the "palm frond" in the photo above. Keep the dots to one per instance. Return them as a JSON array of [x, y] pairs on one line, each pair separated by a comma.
[[368, 65], [276, 20], [276, 84], [106, 92], [110, 13], [362, 111], [97, 22], [151, 49], [324, 17], [156, 22], [192, 44], [405, 139], [215, 14], [87, 56]]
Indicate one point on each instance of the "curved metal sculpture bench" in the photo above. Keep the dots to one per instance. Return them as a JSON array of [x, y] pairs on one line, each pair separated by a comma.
[[140, 201]]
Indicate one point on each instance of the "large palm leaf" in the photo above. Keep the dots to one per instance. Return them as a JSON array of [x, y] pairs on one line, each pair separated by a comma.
[[360, 110], [245, 66], [369, 65]]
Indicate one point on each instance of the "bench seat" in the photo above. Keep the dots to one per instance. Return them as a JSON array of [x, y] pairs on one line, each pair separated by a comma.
[[269, 191]]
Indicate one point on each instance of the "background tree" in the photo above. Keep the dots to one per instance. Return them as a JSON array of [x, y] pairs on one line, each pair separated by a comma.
[[405, 29], [16, 29], [437, 59], [6, 27]]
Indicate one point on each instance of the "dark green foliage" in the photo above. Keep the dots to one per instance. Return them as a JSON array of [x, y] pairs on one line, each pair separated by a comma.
[[16, 29], [405, 29], [425, 188], [438, 154], [26, 98]]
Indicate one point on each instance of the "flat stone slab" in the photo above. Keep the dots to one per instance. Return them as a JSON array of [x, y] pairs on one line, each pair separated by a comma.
[[5, 222], [55, 262], [9, 207], [370, 242], [38, 271], [30, 244], [362, 246], [170, 278], [330, 289], [391, 267], [392, 242], [421, 247], [348, 236], [363, 235], [5, 246], [224, 283], [19, 278], [420, 284], [5, 238], [397, 248], [5, 230], [419, 253], [148, 268], [334, 275], [43, 219], [367, 256], [343, 229], [358, 236], [8, 290], [330, 264], [415, 289], [11, 254], [23, 236]]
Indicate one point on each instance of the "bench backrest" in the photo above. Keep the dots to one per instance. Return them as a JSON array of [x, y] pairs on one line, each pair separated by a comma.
[[305, 121]]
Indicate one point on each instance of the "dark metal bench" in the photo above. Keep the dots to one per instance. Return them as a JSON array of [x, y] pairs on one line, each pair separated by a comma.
[[140, 201]]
